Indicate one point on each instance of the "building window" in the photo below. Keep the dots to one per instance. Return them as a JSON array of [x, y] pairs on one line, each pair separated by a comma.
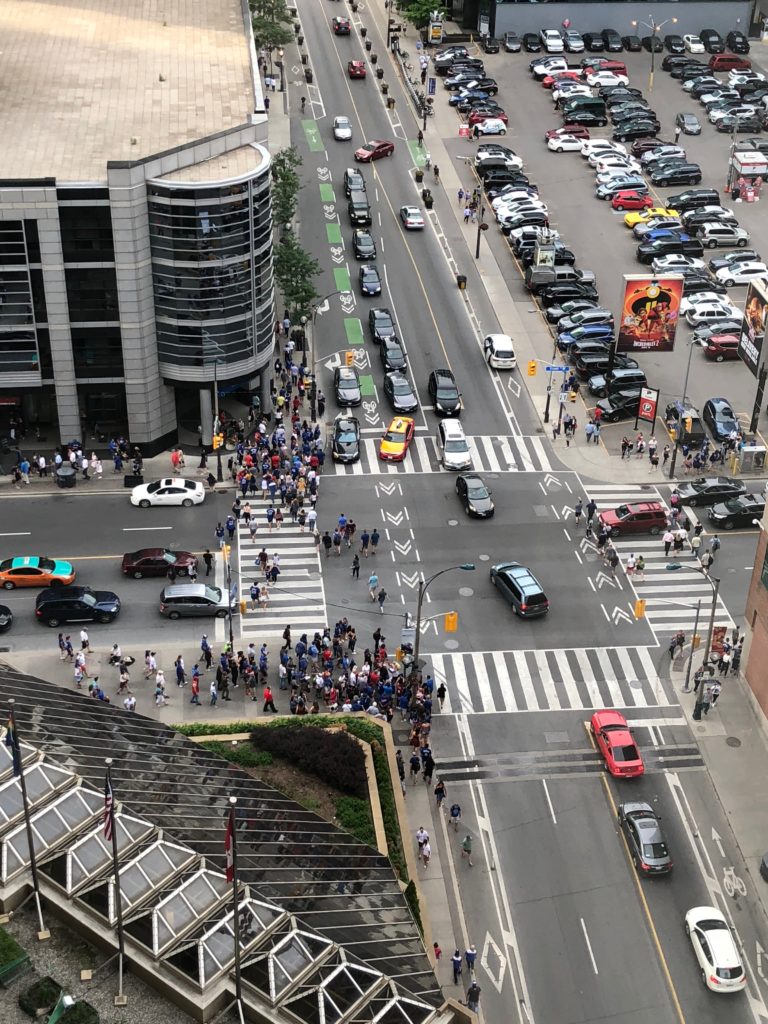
[[18, 352], [13, 250], [44, 351], [98, 351], [15, 298], [38, 296], [33, 241], [86, 234], [92, 295]]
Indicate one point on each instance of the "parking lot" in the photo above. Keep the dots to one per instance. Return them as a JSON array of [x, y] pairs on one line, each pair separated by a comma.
[[595, 232]]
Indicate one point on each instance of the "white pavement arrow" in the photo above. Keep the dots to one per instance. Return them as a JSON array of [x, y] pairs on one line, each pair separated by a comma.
[[395, 519], [329, 212], [362, 359], [553, 481], [337, 254], [333, 362], [759, 955], [565, 511], [514, 387], [718, 841], [602, 578], [410, 581], [373, 420], [323, 174], [494, 962], [586, 545], [403, 548], [386, 488], [323, 307], [347, 302], [618, 614]]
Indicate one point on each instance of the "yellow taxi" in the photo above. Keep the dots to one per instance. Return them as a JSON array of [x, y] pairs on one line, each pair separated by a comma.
[[641, 216], [398, 436], [35, 572]]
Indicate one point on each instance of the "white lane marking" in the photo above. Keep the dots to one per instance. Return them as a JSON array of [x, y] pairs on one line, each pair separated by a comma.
[[15, 534], [549, 801], [139, 529], [589, 946]]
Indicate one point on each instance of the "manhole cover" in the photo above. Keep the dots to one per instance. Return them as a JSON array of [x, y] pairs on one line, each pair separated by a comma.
[[453, 522], [451, 644], [484, 558], [733, 741], [466, 591]]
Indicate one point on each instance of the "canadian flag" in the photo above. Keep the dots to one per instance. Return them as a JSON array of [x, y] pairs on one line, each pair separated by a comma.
[[229, 845]]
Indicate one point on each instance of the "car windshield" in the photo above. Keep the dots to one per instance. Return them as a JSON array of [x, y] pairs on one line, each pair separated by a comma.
[[622, 511], [476, 489], [153, 488], [457, 445], [88, 599], [213, 594], [628, 752], [46, 564], [655, 851], [346, 435], [347, 384], [445, 394], [394, 435], [401, 387]]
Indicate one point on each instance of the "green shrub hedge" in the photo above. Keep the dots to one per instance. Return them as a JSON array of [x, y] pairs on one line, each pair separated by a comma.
[[333, 757], [242, 754], [43, 995], [10, 950], [354, 815]]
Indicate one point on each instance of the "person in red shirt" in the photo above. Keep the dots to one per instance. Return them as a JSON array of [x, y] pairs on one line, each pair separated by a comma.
[[269, 704]]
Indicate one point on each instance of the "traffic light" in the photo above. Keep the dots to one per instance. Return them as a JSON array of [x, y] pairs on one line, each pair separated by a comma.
[[225, 549], [532, 368], [640, 608], [349, 358], [451, 622], [218, 441], [688, 423]]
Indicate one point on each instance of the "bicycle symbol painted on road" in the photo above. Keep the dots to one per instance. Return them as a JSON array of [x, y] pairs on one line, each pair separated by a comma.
[[734, 885]]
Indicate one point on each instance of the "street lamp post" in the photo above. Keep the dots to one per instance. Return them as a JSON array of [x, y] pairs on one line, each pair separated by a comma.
[[423, 587], [654, 29], [216, 421], [312, 352], [281, 65], [480, 227], [714, 583]]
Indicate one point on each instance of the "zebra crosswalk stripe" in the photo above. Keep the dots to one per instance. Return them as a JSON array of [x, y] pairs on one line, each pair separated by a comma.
[[548, 680], [490, 454]]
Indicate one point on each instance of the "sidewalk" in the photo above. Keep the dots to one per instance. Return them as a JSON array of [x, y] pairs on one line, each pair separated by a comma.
[[733, 739]]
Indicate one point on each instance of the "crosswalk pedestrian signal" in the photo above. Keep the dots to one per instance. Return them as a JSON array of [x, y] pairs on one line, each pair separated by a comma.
[[532, 368], [688, 423], [218, 441], [640, 608], [451, 622], [349, 358], [225, 549]]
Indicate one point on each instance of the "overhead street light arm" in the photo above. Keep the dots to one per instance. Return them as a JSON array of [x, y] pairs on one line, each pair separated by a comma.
[[423, 587]]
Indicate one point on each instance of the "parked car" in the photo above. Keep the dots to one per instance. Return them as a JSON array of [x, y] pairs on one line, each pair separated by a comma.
[[512, 42], [720, 418], [737, 513]]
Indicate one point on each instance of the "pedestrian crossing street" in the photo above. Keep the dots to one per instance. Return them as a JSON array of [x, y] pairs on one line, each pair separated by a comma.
[[298, 597], [671, 597], [513, 454], [551, 680]]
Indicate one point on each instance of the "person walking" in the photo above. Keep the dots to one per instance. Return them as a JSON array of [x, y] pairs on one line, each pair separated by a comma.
[[466, 848], [473, 997], [470, 955], [668, 540], [422, 836], [356, 567], [208, 560], [374, 541], [456, 963], [373, 582], [426, 853], [214, 693], [269, 703], [714, 547], [706, 560], [440, 793], [381, 597], [577, 511], [195, 699], [695, 545]]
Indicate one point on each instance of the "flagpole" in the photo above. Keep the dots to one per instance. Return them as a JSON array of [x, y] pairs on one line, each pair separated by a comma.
[[109, 827], [18, 770], [232, 869]]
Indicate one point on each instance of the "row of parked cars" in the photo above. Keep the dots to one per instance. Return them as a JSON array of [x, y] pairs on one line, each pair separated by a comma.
[[568, 40]]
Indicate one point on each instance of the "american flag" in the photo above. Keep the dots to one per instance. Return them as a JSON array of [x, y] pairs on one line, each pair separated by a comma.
[[108, 808]]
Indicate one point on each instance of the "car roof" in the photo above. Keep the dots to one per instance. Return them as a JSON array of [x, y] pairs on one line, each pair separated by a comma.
[[185, 590], [346, 372], [400, 423]]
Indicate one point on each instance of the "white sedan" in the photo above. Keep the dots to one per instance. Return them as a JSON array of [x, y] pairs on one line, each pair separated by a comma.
[[676, 261], [693, 44], [411, 218], [566, 90], [511, 194], [691, 302], [596, 147], [741, 273], [716, 950], [602, 78], [564, 144], [609, 160], [342, 129], [742, 77], [490, 126], [171, 491]]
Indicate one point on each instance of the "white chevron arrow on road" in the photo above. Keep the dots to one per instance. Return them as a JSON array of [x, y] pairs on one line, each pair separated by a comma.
[[395, 518]]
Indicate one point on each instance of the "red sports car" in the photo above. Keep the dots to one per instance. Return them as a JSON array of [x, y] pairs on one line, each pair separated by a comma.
[[614, 741], [374, 150], [568, 129], [631, 200], [356, 68], [477, 116], [549, 80]]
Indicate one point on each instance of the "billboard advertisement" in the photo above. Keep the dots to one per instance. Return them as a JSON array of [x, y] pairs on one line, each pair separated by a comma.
[[753, 327], [649, 313]]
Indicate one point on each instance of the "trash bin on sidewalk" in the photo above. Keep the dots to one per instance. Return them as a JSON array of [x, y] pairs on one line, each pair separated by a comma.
[[308, 74], [133, 479], [66, 476], [461, 281]]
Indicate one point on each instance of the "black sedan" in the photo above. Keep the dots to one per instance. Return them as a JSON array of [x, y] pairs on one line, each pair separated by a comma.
[[345, 444], [556, 313], [632, 43], [652, 43], [621, 405], [400, 393], [346, 384], [720, 418], [531, 42], [363, 245], [555, 294], [737, 513], [370, 282], [645, 838], [392, 355], [6, 618], [688, 124], [739, 125], [380, 323], [709, 490], [636, 130], [674, 43], [474, 496]]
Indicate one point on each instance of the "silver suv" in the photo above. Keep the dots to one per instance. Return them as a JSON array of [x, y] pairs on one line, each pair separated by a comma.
[[453, 446]]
